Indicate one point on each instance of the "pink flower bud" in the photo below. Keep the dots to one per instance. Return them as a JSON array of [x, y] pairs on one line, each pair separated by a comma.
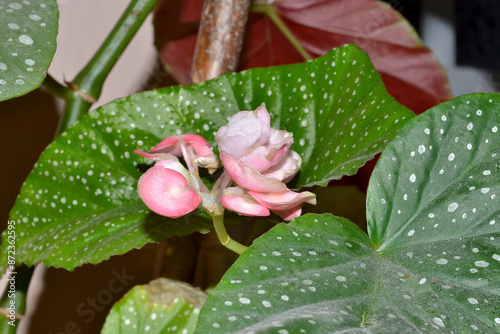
[[165, 190]]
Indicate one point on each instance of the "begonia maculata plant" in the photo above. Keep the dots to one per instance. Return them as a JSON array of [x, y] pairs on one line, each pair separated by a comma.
[[418, 252], [257, 162]]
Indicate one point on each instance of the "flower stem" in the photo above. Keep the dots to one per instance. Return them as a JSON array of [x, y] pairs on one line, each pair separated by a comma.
[[270, 12], [87, 85], [224, 238], [188, 154]]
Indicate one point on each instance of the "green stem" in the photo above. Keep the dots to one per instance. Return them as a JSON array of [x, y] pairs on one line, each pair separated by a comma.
[[88, 83], [74, 109], [271, 12], [57, 89], [13, 301], [224, 238]]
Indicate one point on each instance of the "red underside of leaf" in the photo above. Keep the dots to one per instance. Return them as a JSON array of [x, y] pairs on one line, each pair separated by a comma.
[[410, 71], [266, 45]]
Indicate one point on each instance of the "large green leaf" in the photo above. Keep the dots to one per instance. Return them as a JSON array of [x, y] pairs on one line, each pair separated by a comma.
[[430, 265], [161, 306], [80, 204], [457, 193], [28, 31]]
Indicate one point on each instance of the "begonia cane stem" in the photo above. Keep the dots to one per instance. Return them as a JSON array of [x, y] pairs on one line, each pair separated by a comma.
[[220, 38], [224, 238], [87, 85]]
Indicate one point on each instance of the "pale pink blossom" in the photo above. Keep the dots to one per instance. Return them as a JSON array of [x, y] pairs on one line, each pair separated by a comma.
[[258, 159]]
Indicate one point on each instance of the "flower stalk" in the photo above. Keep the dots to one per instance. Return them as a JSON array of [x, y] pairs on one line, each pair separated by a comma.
[[224, 238]]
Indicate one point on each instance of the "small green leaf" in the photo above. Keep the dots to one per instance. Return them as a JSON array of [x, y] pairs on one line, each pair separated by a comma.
[[430, 265], [28, 31], [80, 203], [161, 306]]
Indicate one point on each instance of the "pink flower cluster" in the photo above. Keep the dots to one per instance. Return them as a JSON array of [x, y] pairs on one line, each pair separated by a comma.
[[257, 162]]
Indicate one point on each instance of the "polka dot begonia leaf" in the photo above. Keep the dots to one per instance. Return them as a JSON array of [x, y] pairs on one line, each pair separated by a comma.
[[161, 306], [28, 31], [431, 262], [80, 202], [442, 178]]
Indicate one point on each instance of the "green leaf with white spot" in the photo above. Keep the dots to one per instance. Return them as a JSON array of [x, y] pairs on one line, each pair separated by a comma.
[[431, 262], [458, 191], [161, 306], [28, 31], [80, 203]]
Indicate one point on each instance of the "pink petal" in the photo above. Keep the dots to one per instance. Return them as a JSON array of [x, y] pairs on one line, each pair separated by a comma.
[[201, 146], [245, 131], [235, 200], [249, 178], [286, 169], [266, 156], [205, 157], [202, 154], [155, 156], [283, 200], [168, 145], [172, 145], [166, 191], [290, 213]]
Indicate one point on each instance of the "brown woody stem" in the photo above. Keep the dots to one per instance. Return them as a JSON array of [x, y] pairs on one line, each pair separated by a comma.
[[220, 38]]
